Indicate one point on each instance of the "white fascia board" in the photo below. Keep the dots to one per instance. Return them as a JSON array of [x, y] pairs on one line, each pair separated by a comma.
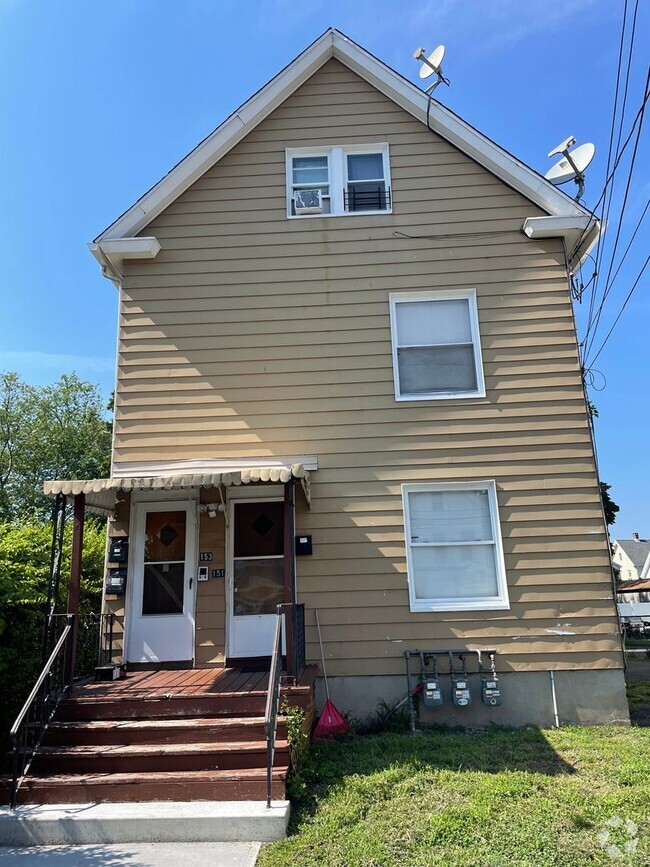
[[582, 230], [111, 253], [222, 140], [130, 248], [335, 44]]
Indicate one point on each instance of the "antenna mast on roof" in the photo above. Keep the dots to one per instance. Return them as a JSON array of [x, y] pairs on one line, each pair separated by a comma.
[[573, 164], [430, 65]]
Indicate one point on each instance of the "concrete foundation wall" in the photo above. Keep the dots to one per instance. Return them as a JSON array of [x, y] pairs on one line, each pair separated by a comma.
[[585, 697]]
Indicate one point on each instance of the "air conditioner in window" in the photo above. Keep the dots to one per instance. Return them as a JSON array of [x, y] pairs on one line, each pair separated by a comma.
[[308, 201]]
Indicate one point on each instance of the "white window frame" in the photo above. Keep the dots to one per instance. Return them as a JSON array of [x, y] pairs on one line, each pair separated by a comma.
[[396, 298], [338, 176], [501, 601]]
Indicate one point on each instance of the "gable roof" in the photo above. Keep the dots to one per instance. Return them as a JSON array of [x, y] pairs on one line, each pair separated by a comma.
[[637, 550], [443, 121]]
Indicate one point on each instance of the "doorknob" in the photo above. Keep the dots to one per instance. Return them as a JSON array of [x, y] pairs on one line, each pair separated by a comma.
[[191, 581]]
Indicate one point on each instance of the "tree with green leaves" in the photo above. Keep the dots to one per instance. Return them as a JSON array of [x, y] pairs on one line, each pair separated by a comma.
[[48, 432], [611, 508]]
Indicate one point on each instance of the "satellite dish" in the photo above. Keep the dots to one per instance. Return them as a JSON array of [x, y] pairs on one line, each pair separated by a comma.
[[572, 165], [433, 62], [562, 147], [430, 65]]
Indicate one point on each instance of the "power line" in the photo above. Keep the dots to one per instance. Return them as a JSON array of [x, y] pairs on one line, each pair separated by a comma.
[[620, 312], [600, 253], [628, 184], [616, 164], [609, 159], [627, 249]]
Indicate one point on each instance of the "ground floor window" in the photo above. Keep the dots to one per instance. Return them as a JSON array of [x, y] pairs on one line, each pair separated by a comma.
[[453, 546]]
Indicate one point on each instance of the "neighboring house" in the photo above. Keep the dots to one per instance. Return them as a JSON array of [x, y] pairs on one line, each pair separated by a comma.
[[345, 317], [631, 559]]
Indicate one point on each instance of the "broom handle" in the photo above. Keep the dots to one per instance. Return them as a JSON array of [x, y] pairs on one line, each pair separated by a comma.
[[322, 655]]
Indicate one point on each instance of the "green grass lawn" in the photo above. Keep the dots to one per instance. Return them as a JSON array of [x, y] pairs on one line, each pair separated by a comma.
[[502, 798]]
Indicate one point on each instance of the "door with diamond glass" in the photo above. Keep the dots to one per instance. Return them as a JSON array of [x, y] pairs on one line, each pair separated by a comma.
[[160, 616], [256, 579]]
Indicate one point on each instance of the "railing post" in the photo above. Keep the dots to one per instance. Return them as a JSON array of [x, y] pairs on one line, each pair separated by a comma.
[[74, 586], [70, 653], [289, 576]]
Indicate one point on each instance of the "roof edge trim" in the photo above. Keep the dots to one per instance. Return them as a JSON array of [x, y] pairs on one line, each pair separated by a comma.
[[335, 44]]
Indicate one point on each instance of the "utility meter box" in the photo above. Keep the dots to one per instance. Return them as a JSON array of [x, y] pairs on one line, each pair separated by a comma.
[[431, 693], [490, 692], [460, 694], [116, 582], [118, 551]]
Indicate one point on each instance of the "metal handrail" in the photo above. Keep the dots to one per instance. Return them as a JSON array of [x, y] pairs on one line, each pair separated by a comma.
[[95, 639], [27, 731], [273, 702]]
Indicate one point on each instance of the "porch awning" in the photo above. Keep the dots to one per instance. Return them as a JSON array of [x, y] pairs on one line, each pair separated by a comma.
[[100, 493]]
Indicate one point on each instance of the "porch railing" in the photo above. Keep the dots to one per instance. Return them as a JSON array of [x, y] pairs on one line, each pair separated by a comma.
[[81, 643], [294, 617], [27, 732], [273, 702], [94, 640]]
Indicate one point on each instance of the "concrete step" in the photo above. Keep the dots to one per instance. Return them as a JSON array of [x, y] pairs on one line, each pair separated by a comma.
[[145, 822], [147, 758], [158, 731]]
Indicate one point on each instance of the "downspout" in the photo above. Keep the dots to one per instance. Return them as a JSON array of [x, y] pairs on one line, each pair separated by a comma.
[[107, 268], [553, 694]]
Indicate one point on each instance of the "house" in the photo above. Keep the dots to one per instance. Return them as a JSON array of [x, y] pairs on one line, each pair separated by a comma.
[[631, 559], [348, 383]]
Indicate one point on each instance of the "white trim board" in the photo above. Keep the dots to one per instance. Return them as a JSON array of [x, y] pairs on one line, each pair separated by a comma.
[[334, 44]]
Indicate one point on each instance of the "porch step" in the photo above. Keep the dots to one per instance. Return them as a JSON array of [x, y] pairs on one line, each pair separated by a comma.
[[205, 785], [179, 730], [147, 758], [223, 704]]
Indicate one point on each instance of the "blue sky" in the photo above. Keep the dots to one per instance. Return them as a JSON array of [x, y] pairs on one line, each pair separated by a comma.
[[98, 100]]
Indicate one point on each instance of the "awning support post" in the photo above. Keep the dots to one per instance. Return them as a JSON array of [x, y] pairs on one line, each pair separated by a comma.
[[74, 585], [289, 576]]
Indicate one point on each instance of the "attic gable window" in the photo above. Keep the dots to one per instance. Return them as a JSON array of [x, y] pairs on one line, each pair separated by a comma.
[[436, 345], [335, 181], [453, 547]]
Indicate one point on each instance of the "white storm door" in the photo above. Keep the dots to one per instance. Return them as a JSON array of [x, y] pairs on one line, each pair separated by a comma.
[[160, 619], [256, 581]]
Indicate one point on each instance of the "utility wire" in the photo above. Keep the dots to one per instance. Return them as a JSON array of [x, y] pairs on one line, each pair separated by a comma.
[[627, 249], [609, 160], [620, 312], [628, 184], [592, 324], [615, 167]]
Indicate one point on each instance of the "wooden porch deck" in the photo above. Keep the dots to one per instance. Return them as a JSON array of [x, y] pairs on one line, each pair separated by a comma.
[[167, 683], [191, 734]]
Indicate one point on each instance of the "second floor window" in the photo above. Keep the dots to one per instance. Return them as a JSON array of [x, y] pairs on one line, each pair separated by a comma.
[[338, 180], [436, 346]]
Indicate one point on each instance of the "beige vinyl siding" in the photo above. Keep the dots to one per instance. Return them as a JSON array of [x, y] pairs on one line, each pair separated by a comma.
[[210, 595], [252, 335], [112, 604]]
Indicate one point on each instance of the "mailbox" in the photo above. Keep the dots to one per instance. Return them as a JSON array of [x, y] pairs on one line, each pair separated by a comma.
[[116, 582], [119, 550], [303, 545]]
